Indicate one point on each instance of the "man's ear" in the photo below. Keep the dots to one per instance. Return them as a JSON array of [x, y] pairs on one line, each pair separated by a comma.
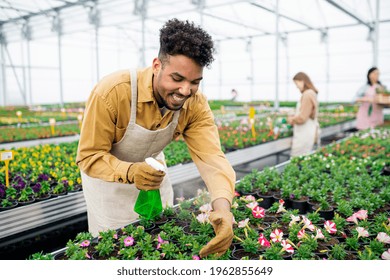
[[156, 65]]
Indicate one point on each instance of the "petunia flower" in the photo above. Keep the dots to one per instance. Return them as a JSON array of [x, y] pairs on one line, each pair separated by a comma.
[[353, 218], [301, 234], [263, 241], [281, 206], [128, 241], [195, 257], [362, 232], [85, 243], [307, 224], [287, 247], [243, 223], [235, 205], [258, 212], [205, 208], [361, 214], [319, 234], [248, 198], [115, 236], [294, 219], [330, 227], [276, 235], [236, 193], [252, 205], [203, 218], [383, 237], [386, 255], [160, 241]]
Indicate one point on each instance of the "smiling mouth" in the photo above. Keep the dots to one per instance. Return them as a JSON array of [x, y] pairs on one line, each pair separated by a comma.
[[178, 98]]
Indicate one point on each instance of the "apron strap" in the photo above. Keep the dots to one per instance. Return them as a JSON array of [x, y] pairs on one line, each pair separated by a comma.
[[133, 77]]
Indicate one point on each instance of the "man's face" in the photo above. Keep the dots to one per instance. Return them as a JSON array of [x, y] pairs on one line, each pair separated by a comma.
[[174, 83]]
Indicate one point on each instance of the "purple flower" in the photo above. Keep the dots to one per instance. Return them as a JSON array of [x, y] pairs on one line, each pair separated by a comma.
[[2, 191], [43, 177], [36, 188], [65, 183], [292, 196]]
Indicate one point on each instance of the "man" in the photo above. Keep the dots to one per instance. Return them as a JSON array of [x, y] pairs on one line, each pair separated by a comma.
[[131, 117]]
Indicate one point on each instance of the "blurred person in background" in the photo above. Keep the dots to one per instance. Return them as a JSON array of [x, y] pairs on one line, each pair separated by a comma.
[[370, 114], [133, 115], [306, 129]]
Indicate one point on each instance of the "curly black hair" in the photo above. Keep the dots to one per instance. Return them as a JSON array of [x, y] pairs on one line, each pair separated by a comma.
[[179, 37]]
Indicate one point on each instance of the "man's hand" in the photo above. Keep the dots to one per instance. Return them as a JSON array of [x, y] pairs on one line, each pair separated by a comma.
[[290, 120], [144, 176], [222, 220]]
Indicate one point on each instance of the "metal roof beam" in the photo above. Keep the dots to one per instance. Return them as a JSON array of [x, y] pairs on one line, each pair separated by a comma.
[[45, 12], [350, 13], [284, 16]]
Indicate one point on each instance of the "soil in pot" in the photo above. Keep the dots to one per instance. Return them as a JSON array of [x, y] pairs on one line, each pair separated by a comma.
[[267, 201], [14, 203], [301, 205], [239, 254], [326, 214]]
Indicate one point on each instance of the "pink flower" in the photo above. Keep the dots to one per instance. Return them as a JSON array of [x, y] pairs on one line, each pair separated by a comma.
[[362, 232], [361, 214], [206, 208], [87, 255], [383, 237], [236, 193], [307, 223], [319, 234], [115, 236], [353, 219], [330, 227], [85, 243], [263, 241], [301, 234], [276, 235], [203, 218], [243, 223], [195, 257], [287, 247], [258, 212], [252, 205], [128, 241], [248, 198], [294, 219], [281, 206], [386, 255]]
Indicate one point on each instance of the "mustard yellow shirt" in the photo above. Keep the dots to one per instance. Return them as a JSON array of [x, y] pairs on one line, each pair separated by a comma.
[[107, 115]]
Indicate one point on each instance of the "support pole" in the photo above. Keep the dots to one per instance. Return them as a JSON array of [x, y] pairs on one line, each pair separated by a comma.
[[3, 88], [57, 27], [94, 19], [376, 35], [276, 104]]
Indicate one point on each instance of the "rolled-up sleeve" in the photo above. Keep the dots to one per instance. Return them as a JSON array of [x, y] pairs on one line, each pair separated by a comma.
[[96, 138], [201, 136]]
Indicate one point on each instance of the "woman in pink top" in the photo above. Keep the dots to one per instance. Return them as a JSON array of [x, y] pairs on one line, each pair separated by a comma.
[[370, 114]]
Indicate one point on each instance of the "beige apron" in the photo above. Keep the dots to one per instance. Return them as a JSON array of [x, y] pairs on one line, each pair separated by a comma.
[[110, 204], [305, 135]]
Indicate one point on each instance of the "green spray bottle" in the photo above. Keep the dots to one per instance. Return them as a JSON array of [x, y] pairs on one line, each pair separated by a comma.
[[148, 204]]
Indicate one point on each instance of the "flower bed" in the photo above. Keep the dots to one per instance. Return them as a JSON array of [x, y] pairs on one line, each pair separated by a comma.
[[355, 184]]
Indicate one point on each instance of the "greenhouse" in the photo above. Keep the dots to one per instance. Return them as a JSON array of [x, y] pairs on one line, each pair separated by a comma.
[[195, 130]]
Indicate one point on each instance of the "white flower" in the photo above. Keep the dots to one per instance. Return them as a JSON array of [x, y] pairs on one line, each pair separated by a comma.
[[243, 223], [205, 208]]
